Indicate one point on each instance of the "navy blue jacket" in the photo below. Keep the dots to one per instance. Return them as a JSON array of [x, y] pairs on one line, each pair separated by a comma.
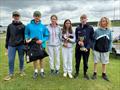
[[87, 32], [15, 34]]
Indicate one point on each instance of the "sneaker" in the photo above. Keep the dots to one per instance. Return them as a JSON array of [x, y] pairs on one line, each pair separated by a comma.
[[42, 74], [9, 77], [22, 73], [94, 76], [86, 77], [52, 71], [57, 72], [70, 75], [104, 76], [64, 74], [35, 75], [76, 75]]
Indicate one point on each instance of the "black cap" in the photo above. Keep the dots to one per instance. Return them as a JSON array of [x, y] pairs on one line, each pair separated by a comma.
[[16, 13], [37, 13]]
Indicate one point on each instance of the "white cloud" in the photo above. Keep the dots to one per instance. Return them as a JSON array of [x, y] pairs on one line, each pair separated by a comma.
[[71, 9]]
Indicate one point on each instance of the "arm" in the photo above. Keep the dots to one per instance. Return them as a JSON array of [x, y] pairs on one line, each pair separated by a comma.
[[45, 34], [94, 38], [7, 37], [27, 33], [72, 40], [90, 45], [60, 34], [76, 36], [111, 39]]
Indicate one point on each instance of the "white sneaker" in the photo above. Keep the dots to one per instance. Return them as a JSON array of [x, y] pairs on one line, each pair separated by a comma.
[[70, 75], [64, 74]]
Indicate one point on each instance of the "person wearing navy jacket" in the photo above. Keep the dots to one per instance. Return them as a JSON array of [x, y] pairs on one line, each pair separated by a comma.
[[84, 36], [14, 43]]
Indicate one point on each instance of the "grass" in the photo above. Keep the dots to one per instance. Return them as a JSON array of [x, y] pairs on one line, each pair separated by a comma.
[[58, 82]]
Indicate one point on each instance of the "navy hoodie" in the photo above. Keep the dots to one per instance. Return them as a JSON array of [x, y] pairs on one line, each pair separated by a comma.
[[87, 32], [15, 34]]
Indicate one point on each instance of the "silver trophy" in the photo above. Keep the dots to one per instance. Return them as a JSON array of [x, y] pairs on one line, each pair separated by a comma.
[[82, 48]]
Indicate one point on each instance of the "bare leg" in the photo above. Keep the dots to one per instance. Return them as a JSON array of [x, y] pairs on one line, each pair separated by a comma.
[[35, 64], [95, 67], [103, 68], [41, 68], [41, 64]]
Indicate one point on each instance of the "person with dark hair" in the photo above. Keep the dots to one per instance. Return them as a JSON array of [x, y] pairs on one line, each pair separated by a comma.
[[35, 29], [15, 42], [54, 43], [84, 36], [68, 39]]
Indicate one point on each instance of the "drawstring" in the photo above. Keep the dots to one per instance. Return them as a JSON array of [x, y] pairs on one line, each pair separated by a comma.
[[53, 33]]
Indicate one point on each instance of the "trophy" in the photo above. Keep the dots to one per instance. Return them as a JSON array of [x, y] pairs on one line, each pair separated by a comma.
[[82, 48], [65, 39]]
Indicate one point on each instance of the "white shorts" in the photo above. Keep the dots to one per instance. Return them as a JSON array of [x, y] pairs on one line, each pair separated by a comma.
[[103, 57]]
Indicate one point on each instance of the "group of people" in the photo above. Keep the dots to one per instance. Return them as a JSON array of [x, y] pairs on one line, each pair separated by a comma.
[[54, 37]]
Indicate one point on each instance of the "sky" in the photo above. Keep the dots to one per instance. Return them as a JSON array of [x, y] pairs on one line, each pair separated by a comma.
[[64, 9]]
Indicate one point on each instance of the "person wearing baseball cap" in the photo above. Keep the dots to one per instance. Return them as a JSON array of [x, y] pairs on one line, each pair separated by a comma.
[[15, 42], [37, 13], [15, 13], [35, 29]]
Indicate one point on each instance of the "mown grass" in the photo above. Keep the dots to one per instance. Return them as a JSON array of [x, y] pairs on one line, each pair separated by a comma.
[[58, 82]]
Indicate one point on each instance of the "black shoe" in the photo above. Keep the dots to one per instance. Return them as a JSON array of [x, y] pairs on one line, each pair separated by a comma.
[[52, 71], [86, 77], [76, 75], [57, 72], [35, 75], [94, 76], [42, 74], [104, 76]]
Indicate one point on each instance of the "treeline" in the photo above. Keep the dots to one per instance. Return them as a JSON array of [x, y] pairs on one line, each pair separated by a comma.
[[114, 23]]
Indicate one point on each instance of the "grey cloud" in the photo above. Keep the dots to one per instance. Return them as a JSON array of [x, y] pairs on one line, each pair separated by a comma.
[[62, 8]]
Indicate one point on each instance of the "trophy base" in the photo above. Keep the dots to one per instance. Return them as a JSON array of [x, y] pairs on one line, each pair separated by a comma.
[[83, 49]]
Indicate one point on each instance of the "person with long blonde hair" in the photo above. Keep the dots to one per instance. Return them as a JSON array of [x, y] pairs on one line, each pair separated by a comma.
[[102, 46]]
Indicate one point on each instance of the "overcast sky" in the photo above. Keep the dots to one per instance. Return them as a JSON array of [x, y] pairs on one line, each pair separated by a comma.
[[64, 9]]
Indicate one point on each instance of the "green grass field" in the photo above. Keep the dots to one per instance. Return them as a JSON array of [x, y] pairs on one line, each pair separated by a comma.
[[58, 82]]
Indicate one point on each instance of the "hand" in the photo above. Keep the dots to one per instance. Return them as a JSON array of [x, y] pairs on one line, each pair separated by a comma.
[[6, 53], [39, 42], [68, 39], [81, 43], [86, 49], [65, 44], [28, 41]]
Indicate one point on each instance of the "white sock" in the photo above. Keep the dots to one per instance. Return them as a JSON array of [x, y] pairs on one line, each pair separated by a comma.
[[36, 70], [42, 70]]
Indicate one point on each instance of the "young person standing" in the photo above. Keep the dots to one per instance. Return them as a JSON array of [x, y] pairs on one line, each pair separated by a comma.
[[35, 29], [54, 44], [102, 46], [84, 35], [15, 42], [68, 39]]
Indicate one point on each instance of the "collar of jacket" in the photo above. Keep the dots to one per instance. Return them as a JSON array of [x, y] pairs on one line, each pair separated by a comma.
[[16, 22], [33, 22], [86, 25]]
